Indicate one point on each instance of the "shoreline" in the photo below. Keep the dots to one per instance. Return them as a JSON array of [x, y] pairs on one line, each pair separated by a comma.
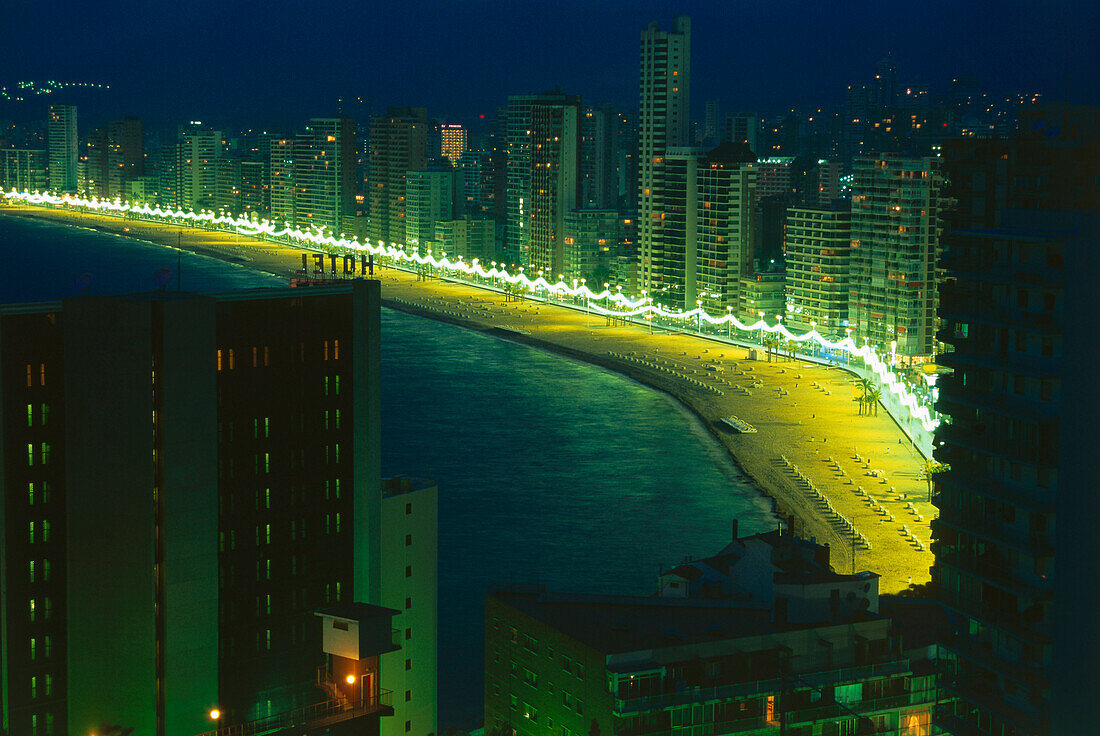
[[694, 371]]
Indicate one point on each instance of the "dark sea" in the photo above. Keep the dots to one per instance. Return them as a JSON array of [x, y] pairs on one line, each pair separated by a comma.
[[550, 471]]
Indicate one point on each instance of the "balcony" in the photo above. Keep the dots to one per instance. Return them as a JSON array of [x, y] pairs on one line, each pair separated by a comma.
[[630, 706], [998, 574], [1020, 625], [318, 715], [1032, 543]]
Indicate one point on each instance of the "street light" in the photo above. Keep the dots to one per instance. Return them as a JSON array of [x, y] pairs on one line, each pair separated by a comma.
[[699, 315], [729, 322]]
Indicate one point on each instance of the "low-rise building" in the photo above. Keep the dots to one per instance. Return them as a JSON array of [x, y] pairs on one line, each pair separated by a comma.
[[762, 292], [763, 637]]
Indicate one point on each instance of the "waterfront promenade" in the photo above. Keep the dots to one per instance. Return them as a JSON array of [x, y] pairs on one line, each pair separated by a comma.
[[812, 452]]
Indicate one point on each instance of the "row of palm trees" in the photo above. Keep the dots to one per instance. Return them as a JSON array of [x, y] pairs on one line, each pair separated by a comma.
[[869, 396]]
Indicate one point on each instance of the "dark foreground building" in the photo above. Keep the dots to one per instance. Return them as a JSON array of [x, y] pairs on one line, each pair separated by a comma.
[[184, 481], [762, 638], [1016, 561]]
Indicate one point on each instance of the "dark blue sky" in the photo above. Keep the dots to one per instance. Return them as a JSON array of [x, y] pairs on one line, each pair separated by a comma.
[[271, 62]]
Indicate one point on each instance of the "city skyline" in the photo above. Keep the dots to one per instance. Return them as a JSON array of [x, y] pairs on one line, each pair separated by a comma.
[[463, 62]]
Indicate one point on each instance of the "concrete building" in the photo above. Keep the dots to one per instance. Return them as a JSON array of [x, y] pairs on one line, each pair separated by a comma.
[[324, 174], [452, 143], [1015, 537], [761, 638], [23, 170], [398, 144], [468, 237], [198, 153], [125, 153], [63, 148], [762, 292], [818, 243], [742, 128], [592, 239], [597, 174], [895, 244], [430, 197], [665, 85], [410, 560], [168, 562], [703, 244], [543, 165], [280, 173]]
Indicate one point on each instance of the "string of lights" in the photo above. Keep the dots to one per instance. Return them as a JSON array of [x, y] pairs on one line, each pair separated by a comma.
[[625, 305]]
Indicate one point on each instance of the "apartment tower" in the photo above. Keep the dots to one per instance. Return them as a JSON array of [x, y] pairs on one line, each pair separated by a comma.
[[665, 81]]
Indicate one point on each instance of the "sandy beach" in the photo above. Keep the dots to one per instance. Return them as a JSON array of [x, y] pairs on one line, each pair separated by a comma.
[[813, 454]]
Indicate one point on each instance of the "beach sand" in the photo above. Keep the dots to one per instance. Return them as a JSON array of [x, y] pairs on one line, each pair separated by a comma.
[[803, 412]]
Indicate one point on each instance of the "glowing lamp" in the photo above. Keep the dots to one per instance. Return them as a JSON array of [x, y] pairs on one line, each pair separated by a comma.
[[350, 679], [215, 714]]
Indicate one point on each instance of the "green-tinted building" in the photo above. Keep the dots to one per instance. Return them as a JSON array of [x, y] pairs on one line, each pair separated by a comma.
[[762, 638], [184, 480]]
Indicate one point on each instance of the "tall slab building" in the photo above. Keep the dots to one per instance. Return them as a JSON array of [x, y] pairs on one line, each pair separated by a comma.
[[665, 81], [398, 144], [543, 181], [895, 244], [184, 481], [1015, 541], [63, 148]]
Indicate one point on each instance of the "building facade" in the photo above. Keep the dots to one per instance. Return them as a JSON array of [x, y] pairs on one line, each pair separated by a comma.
[[24, 170], [452, 142], [430, 197], [665, 85], [704, 243], [818, 240], [63, 148], [1014, 537], [168, 563], [895, 244], [398, 144], [808, 654]]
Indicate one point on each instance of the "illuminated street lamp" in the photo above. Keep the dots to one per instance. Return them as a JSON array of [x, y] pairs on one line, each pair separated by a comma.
[[729, 322]]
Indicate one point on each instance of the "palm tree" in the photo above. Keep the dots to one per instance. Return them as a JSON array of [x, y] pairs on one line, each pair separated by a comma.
[[928, 472], [864, 386], [792, 348], [874, 396]]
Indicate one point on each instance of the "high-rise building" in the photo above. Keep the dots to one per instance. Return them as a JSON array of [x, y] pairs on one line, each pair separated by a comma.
[[430, 197], [96, 169], [24, 170], [592, 239], [544, 150], [665, 81], [252, 188], [324, 174], [704, 243], [895, 244], [280, 173], [409, 551], [185, 481], [398, 144], [452, 142], [598, 186], [125, 153], [469, 237], [710, 123], [1015, 538], [742, 128], [818, 241], [63, 146], [199, 150]]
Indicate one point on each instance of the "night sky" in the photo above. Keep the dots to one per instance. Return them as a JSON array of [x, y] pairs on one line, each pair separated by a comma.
[[266, 63]]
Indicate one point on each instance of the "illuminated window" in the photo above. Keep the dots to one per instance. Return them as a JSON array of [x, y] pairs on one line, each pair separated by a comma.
[[336, 350], [30, 415], [219, 360], [42, 373], [232, 359], [30, 533], [29, 374], [30, 454], [30, 570]]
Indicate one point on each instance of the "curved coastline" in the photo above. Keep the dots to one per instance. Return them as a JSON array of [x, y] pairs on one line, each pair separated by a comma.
[[757, 456]]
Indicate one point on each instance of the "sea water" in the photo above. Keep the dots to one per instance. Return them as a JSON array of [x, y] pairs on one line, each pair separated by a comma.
[[550, 471]]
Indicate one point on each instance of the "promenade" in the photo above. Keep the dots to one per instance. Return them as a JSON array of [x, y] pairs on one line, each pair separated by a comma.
[[850, 481]]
